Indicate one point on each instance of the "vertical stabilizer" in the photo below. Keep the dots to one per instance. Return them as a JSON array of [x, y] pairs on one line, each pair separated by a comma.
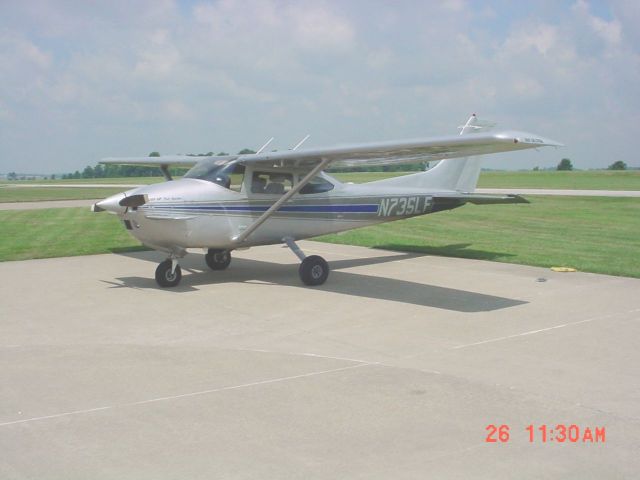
[[459, 174]]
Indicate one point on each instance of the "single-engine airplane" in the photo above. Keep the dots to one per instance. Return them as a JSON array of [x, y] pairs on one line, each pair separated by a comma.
[[238, 201]]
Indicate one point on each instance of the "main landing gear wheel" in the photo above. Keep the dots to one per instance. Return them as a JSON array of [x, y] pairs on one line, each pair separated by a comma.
[[314, 270], [218, 259], [165, 277]]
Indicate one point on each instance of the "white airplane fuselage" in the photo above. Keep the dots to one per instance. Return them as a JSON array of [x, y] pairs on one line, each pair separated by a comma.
[[194, 213]]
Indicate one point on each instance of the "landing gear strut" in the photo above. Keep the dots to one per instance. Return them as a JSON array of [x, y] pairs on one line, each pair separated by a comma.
[[314, 270], [168, 273], [218, 259]]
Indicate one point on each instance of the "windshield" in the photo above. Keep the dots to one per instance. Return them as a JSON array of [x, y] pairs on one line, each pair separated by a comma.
[[223, 173]]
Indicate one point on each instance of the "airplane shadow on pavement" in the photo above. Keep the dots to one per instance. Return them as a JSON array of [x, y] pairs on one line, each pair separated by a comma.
[[458, 250], [195, 273]]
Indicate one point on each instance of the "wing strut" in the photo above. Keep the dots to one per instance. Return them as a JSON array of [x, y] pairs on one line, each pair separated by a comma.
[[274, 208], [165, 172]]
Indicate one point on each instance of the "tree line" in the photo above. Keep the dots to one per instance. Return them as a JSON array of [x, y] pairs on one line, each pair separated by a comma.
[[565, 164]]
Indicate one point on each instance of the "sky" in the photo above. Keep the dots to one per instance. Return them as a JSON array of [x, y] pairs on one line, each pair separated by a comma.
[[82, 80]]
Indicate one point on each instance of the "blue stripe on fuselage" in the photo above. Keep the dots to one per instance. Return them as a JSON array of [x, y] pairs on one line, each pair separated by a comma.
[[368, 208]]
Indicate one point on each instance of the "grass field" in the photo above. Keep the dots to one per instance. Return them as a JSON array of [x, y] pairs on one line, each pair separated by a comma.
[[60, 232], [35, 194], [582, 180], [591, 234]]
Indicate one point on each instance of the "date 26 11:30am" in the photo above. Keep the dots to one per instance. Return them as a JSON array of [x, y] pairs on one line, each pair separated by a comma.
[[560, 433]]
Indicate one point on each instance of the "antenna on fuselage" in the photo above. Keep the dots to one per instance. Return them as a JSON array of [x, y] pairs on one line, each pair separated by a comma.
[[264, 146], [301, 142]]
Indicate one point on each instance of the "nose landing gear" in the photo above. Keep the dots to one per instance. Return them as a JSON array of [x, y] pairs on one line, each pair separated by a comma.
[[218, 259]]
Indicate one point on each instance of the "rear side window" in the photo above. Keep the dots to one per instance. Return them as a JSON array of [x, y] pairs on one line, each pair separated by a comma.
[[317, 185]]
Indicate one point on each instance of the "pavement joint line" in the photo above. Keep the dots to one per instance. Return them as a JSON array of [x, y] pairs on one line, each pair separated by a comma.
[[184, 395], [532, 332], [304, 354]]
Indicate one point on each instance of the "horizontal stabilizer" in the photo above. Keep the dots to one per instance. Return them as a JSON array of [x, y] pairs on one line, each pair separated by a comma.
[[480, 199]]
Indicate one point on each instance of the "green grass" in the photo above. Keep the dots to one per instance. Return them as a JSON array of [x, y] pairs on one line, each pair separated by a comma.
[[591, 234], [581, 180], [60, 232], [36, 194]]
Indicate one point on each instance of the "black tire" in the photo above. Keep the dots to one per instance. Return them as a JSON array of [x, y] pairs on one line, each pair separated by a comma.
[[218, 259], [165, 278], [314, 270]]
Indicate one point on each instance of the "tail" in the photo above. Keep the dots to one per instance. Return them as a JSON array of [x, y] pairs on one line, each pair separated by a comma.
[[458, 174]]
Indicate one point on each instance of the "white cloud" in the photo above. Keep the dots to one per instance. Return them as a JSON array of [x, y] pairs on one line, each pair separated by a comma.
[[541, 38], [157, 62], [454, 5], [177, 110], [85, 81], [16, 51], [318, 28], [609, 31], [5, 113], [380, 58]]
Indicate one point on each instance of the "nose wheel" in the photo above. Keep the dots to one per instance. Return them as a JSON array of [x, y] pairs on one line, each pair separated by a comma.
[[168, 273], [314, 270]]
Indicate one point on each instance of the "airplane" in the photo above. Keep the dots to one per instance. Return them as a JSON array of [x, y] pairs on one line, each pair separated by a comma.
[[230, 202]]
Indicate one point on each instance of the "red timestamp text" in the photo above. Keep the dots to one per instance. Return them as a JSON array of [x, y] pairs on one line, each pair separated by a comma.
[[558, 433]]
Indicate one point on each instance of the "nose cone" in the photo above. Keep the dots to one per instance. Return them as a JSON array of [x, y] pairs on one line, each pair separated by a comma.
[[110, 204]]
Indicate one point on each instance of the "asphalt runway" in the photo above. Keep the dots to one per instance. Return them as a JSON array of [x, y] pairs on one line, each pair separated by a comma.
[[394, 369]]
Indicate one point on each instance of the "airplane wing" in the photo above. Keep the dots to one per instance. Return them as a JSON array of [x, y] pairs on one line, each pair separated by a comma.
[[166, 161], [406, 151], [370, 154]]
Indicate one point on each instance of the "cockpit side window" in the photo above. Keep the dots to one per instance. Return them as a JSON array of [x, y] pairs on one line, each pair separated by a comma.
[[271, 183], [236, 177], [317, 184]]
